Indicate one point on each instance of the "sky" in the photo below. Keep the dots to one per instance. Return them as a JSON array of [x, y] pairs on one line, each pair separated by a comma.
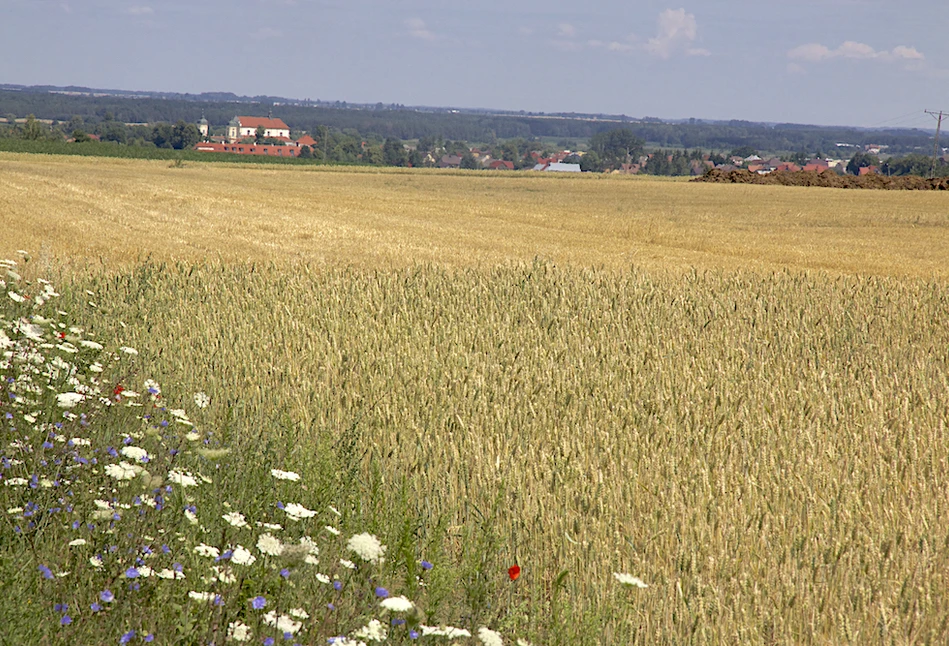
[[872, 63]]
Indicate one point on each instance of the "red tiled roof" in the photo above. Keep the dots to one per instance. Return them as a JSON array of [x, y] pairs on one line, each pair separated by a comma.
[[306, 140], [247, 149], [256, 122]]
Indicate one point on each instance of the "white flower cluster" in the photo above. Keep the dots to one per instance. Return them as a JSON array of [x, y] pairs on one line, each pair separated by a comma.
[[368, 548]]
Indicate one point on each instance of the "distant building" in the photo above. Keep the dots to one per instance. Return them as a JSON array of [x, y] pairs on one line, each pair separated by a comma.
[[241, 127], [450, 161], [270, 150], [560, 167], [500, 164], [203, 127]]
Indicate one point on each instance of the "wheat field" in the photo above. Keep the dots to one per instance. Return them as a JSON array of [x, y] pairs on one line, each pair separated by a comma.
[[739, 394], [116, 212]]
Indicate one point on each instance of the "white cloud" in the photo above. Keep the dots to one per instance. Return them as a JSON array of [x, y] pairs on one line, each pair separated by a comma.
[[566, 30], [677, 31], [418, 29], [816, 53]]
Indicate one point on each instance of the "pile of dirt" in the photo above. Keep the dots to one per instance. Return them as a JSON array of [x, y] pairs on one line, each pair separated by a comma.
[[827, 179]]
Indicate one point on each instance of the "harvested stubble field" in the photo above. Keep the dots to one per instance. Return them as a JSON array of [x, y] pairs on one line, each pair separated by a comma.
[[739, 394]]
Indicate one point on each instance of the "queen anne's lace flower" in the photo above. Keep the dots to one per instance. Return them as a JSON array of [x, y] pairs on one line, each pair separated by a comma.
[[367, 547], [242, 556], [207, 550], [283, 623], [134, 453], [235, 519], [284, 475], [630, 580], [489, 638], [397, 604], [298, 512], [121, 471], [270, 545], [68, 400], [375, 631], [184, 479], [238, 631]]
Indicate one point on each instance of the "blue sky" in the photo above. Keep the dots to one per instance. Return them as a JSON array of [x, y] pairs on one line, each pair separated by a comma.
[[853, 62]]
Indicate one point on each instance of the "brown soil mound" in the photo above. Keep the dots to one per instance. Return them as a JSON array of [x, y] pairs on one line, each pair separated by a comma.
[[827, 179]]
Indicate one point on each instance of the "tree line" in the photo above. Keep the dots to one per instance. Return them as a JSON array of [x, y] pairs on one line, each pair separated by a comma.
[[400, 123], [614, 149]]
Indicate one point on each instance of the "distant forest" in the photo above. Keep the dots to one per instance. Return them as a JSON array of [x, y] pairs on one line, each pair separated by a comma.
[[405, 123]]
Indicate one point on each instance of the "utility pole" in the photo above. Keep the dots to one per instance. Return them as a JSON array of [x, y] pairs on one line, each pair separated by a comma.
[[938, 116]]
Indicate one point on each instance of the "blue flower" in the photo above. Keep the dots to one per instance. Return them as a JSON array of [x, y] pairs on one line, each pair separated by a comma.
[[426, 565], [95, 607], [131, 573], [107, 596], [413, 634], [382, 593], [337, 585], [45, 571], [61, 607], [258, 602], [269, 641], [149, 637], [127, 637], [285, 573], [65, 621]]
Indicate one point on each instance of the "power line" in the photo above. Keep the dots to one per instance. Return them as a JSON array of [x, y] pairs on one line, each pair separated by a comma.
[[932, 173], [899, 118]]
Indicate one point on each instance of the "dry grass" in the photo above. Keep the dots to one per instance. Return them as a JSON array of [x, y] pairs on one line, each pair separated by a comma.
[[766, 447], [118, 211]]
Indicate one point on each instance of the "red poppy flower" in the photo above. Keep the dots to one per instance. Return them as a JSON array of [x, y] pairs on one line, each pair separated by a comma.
[[118, 390], [514, 571]]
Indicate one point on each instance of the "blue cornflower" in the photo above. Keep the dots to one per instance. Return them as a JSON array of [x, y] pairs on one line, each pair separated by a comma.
[[382, 593], [131, 573], [285, 573], [269, 641], [107, 596], [127, 637], [61, 607], [65, 621], [95, 607], [45, 571], [397, 622], [149, 638], [426, 565], [337, 585], [413, 634], [258, 602], [330, 606]]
